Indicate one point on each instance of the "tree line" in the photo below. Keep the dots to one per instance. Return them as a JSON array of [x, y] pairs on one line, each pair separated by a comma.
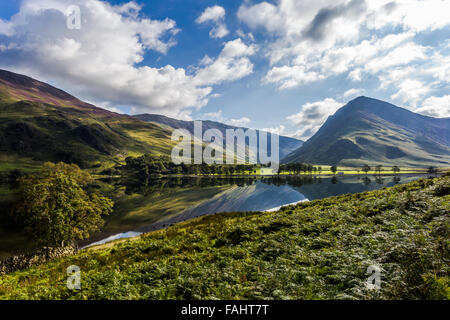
[[147, 166]]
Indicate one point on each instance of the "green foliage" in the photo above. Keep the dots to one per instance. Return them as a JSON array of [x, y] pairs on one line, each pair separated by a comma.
[[366, 168], [314, 250], [145, 166], [54, 206], [298, 167]]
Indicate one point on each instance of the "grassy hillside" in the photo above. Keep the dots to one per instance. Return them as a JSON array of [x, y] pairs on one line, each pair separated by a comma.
[[41, 123], [375, 132], [316, 250]]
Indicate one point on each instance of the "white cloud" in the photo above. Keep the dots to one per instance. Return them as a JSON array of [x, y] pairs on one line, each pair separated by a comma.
[[218, 116], [411, 91], [312, 116], [395, 76], [241, 122], [310, 41], [289, 77], [435, 107], [402, 55], [215, 116], [353, 93], [219, 31], [440, 68], [215, 15], [100, 61], [231, 64], [414, 15], [6, 28], [276, 130]]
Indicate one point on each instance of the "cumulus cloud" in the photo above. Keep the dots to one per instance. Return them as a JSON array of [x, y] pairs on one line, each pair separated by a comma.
[[317, 30], [218, 116], [232, 63], [276, 130], [353, 93], [438, 107], [215, 116], [411, 91], [6, 28], [312, 116], [241, 122], [103, 60], [311, 41], [216, 16]]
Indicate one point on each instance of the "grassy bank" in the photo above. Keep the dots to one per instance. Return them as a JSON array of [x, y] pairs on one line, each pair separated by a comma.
[[315, 250]]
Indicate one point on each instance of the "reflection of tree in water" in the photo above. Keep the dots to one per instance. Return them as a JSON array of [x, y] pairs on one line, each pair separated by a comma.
[[155, 185], [158, 185], [366, 181], [290, 180], [334, 180], [396, 180], [379, 180]]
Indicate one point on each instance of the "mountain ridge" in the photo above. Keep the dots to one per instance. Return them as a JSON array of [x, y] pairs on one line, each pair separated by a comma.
[[286, 144], [43, 123], [368, 130]]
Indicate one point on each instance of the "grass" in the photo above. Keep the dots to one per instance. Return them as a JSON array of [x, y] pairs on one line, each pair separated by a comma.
[[315, 250], [34, 133], [11, 162]]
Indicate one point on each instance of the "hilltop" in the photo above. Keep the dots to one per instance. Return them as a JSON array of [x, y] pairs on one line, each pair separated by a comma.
[[39, 122], [375, 132], [286, 144]]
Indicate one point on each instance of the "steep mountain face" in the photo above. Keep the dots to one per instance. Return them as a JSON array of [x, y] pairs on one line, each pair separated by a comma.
[[42, 123], [375, 132], [286, 144], [15, 87]]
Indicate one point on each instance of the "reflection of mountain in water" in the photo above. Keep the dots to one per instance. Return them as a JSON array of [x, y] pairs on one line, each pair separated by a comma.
[[256, 197], [268, 193]]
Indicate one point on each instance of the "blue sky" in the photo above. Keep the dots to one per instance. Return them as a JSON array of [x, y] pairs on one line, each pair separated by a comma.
[[282, 65]]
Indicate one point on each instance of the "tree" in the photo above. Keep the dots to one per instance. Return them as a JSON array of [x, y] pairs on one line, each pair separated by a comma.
[[56, 209], [333, 169], [395, 169], [319, 169], [432, 170], [379, 169], [366, 168]]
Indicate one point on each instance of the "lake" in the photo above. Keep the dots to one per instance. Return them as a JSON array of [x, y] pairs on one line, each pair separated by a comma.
[[160, 203]]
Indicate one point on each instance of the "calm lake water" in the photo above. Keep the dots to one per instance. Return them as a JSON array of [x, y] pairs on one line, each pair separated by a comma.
[[219, 195]]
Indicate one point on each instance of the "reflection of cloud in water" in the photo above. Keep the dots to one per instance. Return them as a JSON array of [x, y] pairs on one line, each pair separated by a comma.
[[256, 197]]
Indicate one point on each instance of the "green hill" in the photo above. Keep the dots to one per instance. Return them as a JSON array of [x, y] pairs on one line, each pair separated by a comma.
[[375, 132], [316, 250], [39, 123]]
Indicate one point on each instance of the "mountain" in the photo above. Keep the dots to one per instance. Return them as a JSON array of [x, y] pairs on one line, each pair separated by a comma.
[[286, 144], [376, 132], [39, 122]]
